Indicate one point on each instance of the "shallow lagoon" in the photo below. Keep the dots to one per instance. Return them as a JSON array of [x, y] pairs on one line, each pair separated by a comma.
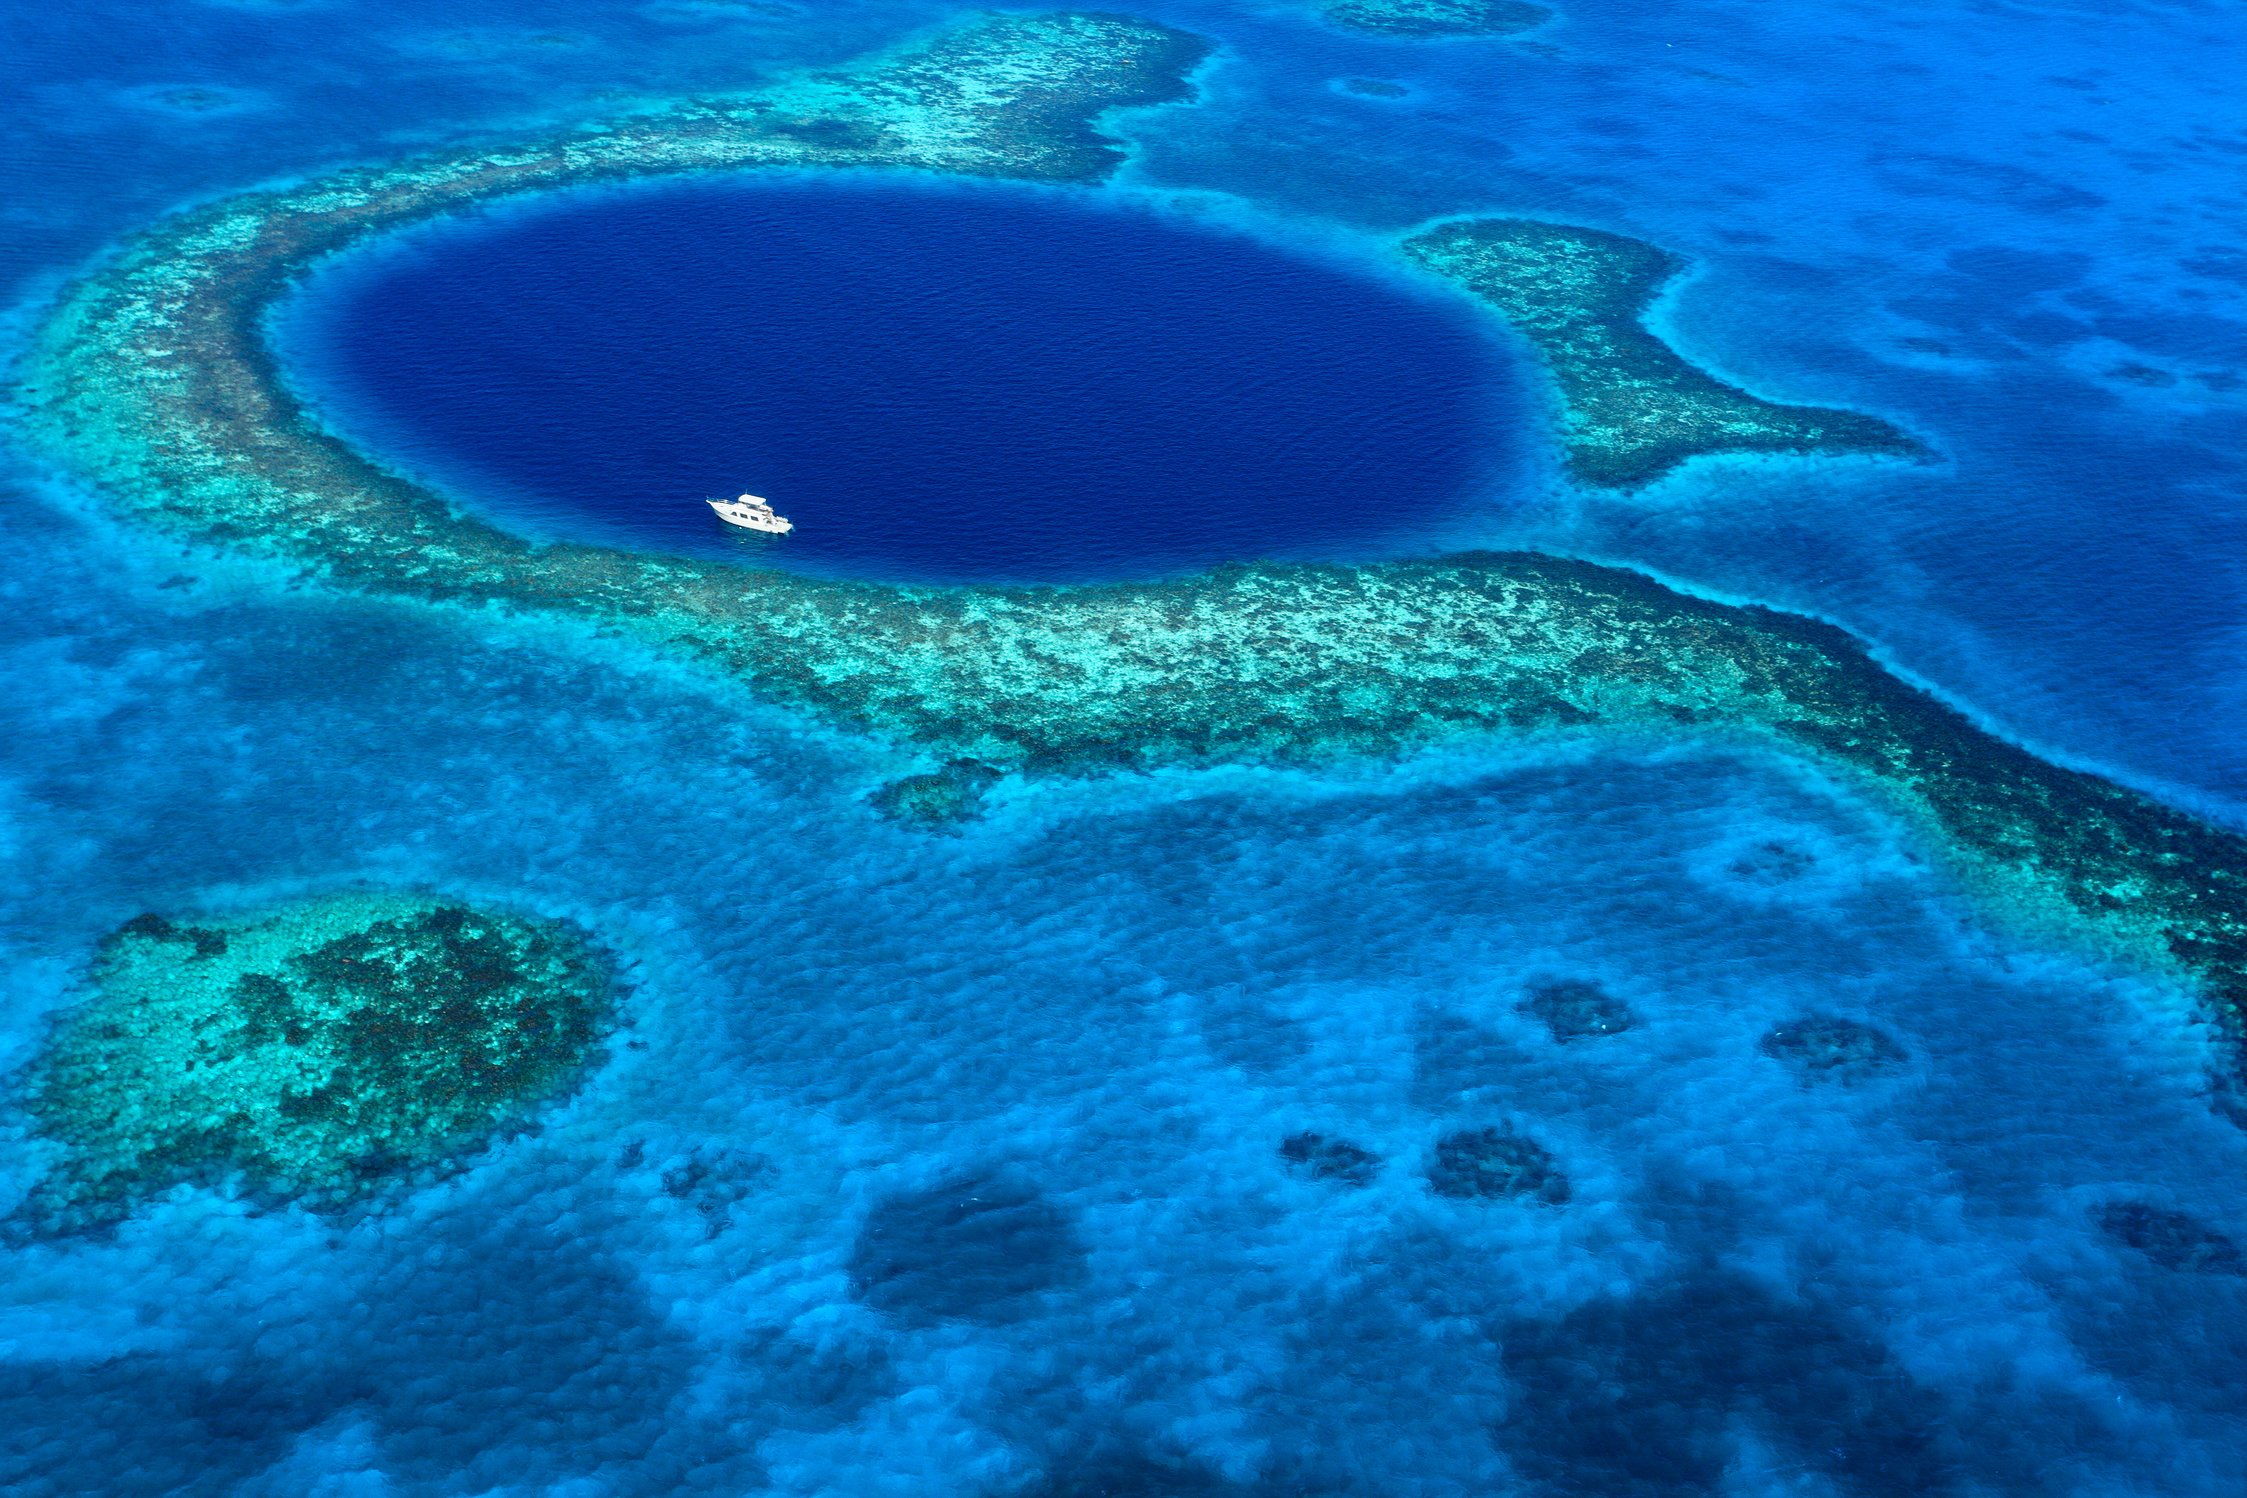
[[936, 382]]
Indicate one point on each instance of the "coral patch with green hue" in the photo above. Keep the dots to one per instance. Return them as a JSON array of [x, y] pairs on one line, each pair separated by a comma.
[[1634, 410], [1427, 18], [941, 800], [310, 1053]]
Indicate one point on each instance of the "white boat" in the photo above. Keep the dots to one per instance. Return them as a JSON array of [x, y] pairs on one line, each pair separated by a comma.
[[751, 514]]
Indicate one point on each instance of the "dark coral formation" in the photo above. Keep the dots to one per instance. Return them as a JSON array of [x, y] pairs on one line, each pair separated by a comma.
[[1325, 1159], [2170, 1238], [1574, 1009], [1772, 863], [713, 1180], [941, 800], [1495, 1164], [1639, 1396], [1131, 1474], [151, 380], [980, 1248], [310, 1053], [1825, 1046], [1634, 408], [1434, 18]]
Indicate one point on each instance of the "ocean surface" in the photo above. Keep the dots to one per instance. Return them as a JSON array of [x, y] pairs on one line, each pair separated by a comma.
[[2014, 228], [935, 382]]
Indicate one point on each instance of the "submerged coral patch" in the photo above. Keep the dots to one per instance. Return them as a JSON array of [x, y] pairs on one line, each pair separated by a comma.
[[1634, 408], [714, 1180], [1323, 1158], [2169, 1238], [310, 1053], [1495, 1164], [1640, 1395], [1825, 1046], [1433, 18], [939, 801], [1576, 1009]]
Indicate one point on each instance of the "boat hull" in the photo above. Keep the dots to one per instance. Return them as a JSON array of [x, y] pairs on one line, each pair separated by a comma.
[[758, 518]]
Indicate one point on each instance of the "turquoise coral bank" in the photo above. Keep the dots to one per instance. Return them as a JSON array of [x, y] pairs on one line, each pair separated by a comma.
[[311, 1053], [1634, 410], [1436, 18], [153, 381]]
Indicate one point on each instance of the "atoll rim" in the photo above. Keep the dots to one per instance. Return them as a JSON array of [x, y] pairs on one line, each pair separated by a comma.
[[1635, 410]]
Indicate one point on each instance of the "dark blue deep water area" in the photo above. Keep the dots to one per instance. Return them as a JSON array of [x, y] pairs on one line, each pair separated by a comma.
[[932, 381]]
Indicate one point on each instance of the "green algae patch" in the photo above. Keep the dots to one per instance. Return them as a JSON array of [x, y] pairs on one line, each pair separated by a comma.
[[1634, 409], [312, 1053], [1436, 18]]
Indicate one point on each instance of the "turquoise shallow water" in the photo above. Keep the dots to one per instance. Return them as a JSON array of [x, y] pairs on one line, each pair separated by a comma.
[[738, 1262]]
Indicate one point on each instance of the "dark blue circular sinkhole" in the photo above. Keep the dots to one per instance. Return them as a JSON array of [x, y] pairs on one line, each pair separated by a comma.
[[935, 382]]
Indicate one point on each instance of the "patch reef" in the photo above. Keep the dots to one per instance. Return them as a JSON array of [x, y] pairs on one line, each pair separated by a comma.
[[153, 381], [1436, 18], [311, 1052]]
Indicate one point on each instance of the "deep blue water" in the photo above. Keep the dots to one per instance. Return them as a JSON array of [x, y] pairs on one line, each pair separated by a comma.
[[932, 381], [1107, 1006]]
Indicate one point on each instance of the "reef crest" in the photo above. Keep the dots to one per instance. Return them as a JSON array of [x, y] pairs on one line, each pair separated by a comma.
[[1634, 409]]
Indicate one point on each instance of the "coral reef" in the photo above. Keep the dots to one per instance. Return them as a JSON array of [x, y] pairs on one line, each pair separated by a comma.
[[714, 1180], [940, 801], [1574, 1009], [1432, 18], [1771, 864], [1823, 1046], [1325, 1159], [152, 381], [1633, 409], [2170, 1239], [1495, 1165], [310, 1053]]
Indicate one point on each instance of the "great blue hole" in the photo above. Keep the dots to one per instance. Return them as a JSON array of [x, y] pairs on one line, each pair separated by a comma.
[[971, 382]]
